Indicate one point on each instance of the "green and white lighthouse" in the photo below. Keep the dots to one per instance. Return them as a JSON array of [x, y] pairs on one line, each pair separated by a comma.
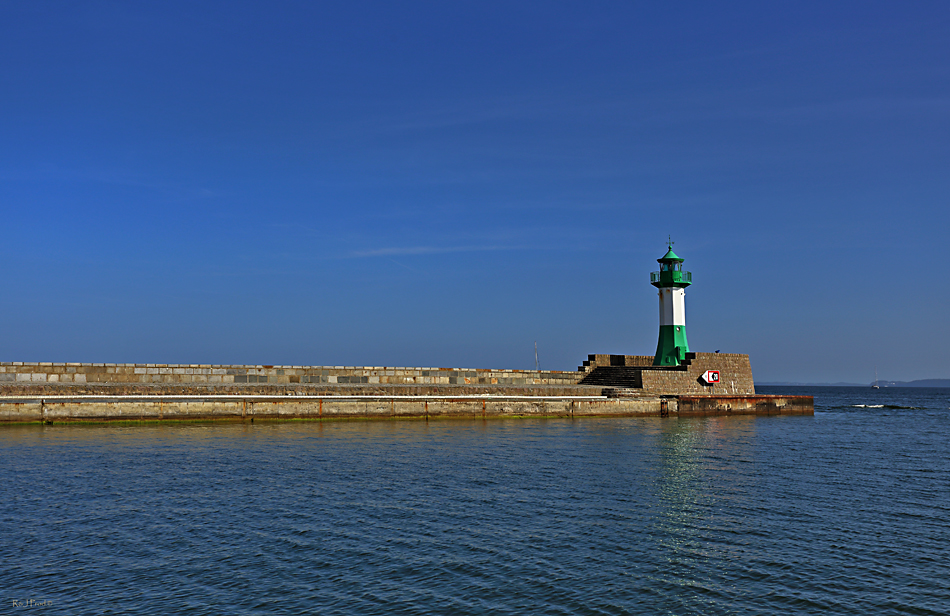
[[672, 281]]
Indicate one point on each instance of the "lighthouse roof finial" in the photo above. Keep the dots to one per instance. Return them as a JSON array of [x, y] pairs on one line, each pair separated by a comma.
[[670, 255]]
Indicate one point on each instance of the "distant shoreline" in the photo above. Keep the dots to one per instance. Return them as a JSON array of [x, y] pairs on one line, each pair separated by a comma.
[[937, 383]]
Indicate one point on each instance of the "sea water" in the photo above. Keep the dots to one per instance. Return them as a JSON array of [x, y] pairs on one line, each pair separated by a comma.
[[845, 512]]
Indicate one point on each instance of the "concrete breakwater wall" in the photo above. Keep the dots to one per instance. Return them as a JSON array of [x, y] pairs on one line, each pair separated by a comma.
[[247, 408], [693, 406], [46, 390]]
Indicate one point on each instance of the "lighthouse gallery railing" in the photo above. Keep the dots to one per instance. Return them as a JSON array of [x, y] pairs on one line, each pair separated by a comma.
[[677, 276]]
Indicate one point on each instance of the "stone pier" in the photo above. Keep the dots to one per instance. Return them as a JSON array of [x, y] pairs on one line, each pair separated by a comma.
[[606, 385]]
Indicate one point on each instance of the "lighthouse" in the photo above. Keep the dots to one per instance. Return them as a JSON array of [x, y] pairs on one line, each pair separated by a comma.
[[671, 280]]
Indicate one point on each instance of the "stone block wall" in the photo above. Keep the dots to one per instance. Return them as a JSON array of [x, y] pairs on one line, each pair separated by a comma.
[[24, 373], [735, 370], [735, 373]]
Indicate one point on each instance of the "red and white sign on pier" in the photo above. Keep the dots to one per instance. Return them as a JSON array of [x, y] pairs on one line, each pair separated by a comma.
[[711, 377]]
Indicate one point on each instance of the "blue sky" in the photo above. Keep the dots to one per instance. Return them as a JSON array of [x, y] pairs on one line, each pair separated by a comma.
[[443, 184]]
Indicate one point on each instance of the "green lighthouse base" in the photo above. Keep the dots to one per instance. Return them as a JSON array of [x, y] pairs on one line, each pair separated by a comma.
[[671, 348]]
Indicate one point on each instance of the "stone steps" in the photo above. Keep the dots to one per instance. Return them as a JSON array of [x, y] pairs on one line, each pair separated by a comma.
[[615, 376]]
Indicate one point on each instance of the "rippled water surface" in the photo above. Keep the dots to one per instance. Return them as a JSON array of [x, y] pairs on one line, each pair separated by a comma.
[[845, 512]]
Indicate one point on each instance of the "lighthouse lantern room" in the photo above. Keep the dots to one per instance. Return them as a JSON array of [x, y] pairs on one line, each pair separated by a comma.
[[671, 280]]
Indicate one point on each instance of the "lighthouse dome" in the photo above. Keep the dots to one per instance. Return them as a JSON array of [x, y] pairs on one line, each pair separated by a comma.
[[669, 257]]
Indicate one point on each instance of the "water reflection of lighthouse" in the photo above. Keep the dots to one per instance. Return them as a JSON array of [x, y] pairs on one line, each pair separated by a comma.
[[701, 464]]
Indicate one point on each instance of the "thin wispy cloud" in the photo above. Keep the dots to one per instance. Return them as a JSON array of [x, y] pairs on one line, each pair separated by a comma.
[[426, 250]]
